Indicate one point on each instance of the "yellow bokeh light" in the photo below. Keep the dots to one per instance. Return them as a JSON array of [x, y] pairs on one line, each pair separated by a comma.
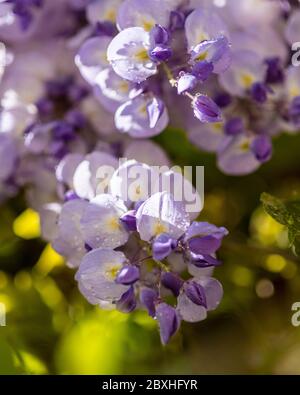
[[275, 263], [27, 225], [23, 281], [3, 280], [264, 288], [48, 260], [242, 276], [7, 301], [266, 230]]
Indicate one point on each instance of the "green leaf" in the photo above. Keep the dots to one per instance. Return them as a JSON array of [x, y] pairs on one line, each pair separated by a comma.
[[293, 208], [286, 213], [296, 245], [276, 209]]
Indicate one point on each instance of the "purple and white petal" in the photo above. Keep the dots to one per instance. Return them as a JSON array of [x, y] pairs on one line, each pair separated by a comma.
[[145, 14], [132, 182], [235, 157], [100, 222], [161, 214], [133, 118], [203, 24], [128, 55], [92, 58], [92, 175], [96, 275]]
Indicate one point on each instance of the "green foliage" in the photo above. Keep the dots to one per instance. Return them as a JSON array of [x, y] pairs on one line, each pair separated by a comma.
[[287, 213]]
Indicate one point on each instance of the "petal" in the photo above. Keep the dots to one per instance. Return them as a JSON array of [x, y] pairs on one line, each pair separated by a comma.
[[213, 291], [190, 311], [133, 118], [132, 182], [161, 214], [92, 175], [168, 320], [96, 275], [100, 222], [128, 55], [143, 14]]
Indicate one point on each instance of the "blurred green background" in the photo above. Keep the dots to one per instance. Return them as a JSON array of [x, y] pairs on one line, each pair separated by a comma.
[[52, 329]]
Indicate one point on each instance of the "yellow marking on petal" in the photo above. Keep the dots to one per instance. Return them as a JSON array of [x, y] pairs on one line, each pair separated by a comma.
[[294, 91], [159, 228], [112, 224], [247, 80], [110, 15], [123, 86], [138, 190], [217, 127], [146, 23], [202, 36], [141, 55], [112, 272], [245, 146], [143, 110], [202, 56]]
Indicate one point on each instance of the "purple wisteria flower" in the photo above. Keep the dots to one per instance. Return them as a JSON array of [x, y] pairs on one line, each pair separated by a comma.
[[125, 247], [146, 58]]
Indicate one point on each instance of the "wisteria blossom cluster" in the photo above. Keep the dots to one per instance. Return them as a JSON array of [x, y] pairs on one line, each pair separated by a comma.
[[47, 109], [222, 70], [85, 82], [133, 248]]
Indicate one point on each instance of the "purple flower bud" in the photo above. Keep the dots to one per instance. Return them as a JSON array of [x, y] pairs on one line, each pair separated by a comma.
[[76, 93], [155, 109], [129, 221], [63, 130], [195, 292], [262, 148], [177, 20], [162, 246], [234, 126], [105, 28], [205, 244], [59, 87], [76, 119], [294, 111], [275, 73], [70, 195], [202, 70], [87, 247], [223, 100], [127, 302], [128, 275], [205, 109], [259, 92], [203, 238], [45, 106], [168, 320], [186, 82], [148, 298], [159, 35], [58, 149], [172, 282], [204, 260], [160, 53]]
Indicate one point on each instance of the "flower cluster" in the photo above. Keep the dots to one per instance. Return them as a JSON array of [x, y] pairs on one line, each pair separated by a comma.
[[162, 50], [148, 61], [135, 247]]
